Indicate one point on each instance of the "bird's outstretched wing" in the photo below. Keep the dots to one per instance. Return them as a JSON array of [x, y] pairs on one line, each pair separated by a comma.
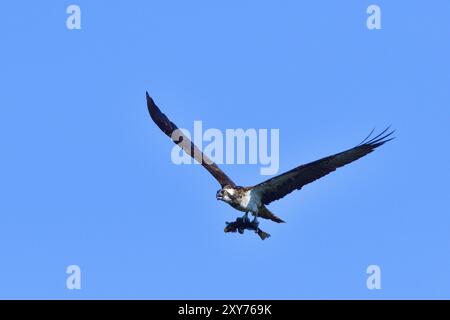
[[281, 185], [172, 131]]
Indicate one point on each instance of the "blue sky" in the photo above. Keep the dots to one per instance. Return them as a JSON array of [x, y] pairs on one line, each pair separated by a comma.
[[87, 179]]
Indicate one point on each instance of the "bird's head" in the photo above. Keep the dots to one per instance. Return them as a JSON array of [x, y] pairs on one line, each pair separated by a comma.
[[225, 194]]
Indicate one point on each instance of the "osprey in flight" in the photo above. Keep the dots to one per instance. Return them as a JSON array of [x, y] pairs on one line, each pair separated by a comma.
[[255, 198]]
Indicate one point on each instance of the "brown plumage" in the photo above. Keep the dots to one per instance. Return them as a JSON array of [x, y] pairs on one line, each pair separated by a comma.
[[172, 131], [255, 198], [279, 186]]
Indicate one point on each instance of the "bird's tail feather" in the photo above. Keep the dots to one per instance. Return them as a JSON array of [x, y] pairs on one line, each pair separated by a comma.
[[267, 214]]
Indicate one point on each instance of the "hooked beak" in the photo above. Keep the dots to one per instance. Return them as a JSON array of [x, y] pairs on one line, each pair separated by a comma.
[[219, 195]]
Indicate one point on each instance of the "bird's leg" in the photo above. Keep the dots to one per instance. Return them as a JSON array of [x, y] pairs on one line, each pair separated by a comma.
[[255, 222], [245, 218]]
